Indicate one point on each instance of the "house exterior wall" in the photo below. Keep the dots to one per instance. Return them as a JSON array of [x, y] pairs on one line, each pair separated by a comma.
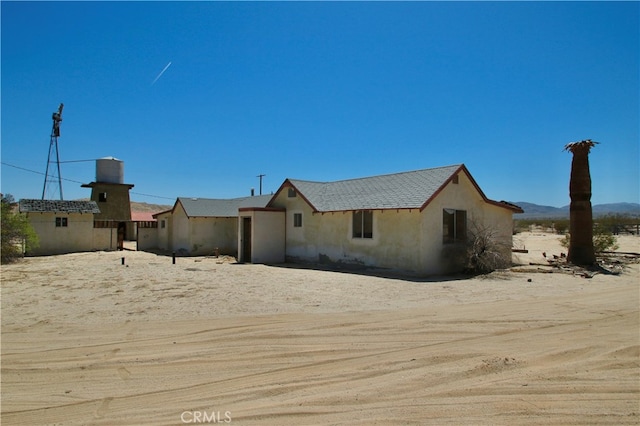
[[164, 232], [105, 239], [437, 256], [328, 237], [77, 236], [206, 234], [196, 235], [409, 240], [180, 230], [267, 235], [147, 238]]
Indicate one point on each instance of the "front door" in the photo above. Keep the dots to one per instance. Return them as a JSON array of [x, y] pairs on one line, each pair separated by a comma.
[[246, 240]]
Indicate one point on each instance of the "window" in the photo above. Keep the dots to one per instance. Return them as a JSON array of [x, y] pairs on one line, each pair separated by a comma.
[[297, 220], [102, 197], [61, 222], [454, 226], [363, 224], [163, 223], [292, 192]]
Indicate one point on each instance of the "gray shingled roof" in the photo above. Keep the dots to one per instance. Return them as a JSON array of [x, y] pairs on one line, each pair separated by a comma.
[[57, 206], [406, 190], [212, 207]]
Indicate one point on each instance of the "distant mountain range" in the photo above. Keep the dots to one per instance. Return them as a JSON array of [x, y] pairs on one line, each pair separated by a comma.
[[536, 211], [149, 208]]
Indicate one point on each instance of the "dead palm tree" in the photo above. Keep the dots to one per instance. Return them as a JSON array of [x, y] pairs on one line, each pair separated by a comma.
[[581, 250]]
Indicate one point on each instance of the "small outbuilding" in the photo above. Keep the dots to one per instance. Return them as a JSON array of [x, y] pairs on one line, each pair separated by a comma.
[[64, 226], [203, 226]]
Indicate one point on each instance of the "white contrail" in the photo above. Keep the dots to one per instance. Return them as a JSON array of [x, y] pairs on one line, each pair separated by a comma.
[[161, 72]]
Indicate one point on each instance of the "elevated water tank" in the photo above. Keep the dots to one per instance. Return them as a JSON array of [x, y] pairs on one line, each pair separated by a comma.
[[109, 170]]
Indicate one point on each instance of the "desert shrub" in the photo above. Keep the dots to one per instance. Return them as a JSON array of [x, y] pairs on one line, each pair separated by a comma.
[[16, 231], [482, 252], [603, 239], [561, 226], [486, 251], [616, 223]]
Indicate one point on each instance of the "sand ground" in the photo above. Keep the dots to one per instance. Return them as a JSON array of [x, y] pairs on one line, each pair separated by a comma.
[[87, 340]]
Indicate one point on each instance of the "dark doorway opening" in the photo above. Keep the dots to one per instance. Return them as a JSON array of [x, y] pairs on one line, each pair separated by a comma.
[[246, 240]]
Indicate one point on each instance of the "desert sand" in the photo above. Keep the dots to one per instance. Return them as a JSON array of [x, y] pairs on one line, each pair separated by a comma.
[[87, 340]]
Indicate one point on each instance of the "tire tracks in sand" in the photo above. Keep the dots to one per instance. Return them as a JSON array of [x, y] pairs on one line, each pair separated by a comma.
[[494, 362]]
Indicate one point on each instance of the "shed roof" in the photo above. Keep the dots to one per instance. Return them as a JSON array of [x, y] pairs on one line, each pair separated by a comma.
[[58, 206], [142, 216], [406, 190], [215, 207]]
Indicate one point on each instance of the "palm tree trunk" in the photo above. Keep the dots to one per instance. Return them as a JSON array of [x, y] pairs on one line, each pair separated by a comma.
[[581, 250]]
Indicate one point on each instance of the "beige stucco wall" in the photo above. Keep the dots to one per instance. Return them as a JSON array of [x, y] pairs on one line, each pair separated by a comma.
[[480, 214], [327, 237], [77, 236], [267, 235], [164, 233], [180, 230], [407, 240], [147, 238], [197, 235], [206, 234], [105, 239]]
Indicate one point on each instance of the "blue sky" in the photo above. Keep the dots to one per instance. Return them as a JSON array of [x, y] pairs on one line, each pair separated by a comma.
[[321, 91]]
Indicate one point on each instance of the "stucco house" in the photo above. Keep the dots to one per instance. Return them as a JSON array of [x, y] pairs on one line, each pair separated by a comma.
[[66, 226], [403, 221], [203, 226]]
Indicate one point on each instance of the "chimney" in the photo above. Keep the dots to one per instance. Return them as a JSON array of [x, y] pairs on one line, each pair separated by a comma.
[[253, 192]]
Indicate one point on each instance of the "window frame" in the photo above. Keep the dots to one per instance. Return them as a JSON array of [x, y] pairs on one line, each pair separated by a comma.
[[62, 222], [454, 226], [297, 220], [362, 221]]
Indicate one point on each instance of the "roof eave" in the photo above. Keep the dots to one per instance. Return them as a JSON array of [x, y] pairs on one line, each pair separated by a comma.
[[506, 205], [446, 182]]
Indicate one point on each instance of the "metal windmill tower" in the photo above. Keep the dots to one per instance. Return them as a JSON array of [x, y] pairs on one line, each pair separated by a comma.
[[54, 158]]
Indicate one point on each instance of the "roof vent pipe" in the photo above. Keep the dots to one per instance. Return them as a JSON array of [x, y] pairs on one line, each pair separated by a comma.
[[253, 192]]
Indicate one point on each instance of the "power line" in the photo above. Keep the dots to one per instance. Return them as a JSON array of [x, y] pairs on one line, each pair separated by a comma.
[[75, 181], [38, 173], [154, 196]]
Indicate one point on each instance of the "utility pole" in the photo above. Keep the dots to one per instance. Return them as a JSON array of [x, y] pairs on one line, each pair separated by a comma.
[[261, 176], [53, 146]]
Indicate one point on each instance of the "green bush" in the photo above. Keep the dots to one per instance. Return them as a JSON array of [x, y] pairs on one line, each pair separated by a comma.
[[16, 232], [603, 240], [561, 226]]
